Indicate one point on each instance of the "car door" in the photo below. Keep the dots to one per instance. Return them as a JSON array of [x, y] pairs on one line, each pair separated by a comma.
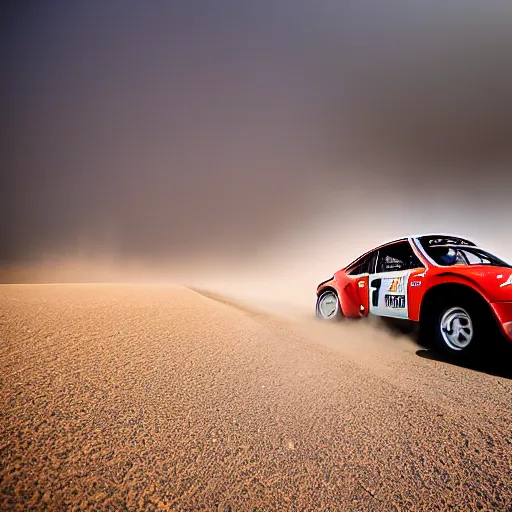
[[389, 281]]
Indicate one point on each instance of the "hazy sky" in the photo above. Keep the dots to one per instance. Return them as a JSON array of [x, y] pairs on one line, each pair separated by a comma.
[[162, 129]]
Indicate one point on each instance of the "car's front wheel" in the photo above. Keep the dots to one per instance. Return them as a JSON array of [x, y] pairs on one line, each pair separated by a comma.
[[459, 327], [456, 329], [328, 306]]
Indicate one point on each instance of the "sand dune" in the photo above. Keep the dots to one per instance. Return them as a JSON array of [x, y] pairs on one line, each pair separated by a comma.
[[138, 397]]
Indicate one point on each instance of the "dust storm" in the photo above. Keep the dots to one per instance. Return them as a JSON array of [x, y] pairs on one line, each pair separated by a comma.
[[252, 148]]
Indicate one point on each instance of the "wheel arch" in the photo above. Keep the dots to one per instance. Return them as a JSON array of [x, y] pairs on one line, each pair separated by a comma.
[[444, 291], [327, 288]]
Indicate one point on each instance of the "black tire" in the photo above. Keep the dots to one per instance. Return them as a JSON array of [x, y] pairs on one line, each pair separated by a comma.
[[325, 299], [459, 327]]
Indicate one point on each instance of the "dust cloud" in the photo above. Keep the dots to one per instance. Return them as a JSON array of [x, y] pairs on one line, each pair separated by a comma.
[[249, 149]]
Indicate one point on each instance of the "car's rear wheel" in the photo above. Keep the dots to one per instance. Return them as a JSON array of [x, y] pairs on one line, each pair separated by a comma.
[[328, 306]]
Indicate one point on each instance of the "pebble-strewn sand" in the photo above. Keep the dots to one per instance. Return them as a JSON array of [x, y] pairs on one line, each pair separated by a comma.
[[120, 397]]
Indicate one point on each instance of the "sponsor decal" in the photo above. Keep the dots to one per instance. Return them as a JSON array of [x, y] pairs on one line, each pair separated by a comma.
[[397, 285], [395, 301], [416, 283], [361, 284], [508, 282]]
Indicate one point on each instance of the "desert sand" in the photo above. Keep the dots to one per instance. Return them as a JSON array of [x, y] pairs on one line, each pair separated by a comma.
[[139, 397]]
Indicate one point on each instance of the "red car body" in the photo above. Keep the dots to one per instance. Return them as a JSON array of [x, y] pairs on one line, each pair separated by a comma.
[[401, 293]]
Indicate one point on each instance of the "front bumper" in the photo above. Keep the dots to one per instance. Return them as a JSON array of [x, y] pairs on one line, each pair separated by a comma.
[[503, 312]]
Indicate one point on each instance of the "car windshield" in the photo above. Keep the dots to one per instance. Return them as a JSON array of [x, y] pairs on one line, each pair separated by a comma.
[[447, 256]]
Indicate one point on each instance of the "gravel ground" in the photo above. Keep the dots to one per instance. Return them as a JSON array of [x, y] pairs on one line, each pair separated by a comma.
[[125, 397]]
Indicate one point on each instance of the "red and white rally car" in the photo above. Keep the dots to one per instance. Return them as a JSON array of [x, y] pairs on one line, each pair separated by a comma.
[[460, 294]]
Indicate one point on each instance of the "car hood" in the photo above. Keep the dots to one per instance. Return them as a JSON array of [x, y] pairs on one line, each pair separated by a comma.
[[495, 281]]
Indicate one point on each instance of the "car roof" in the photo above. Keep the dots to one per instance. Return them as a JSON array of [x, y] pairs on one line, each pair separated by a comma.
[[424, 235], [408, 239], [445, 240], [441, 235]]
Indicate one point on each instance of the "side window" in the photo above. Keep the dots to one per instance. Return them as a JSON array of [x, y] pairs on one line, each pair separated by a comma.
[[359, 267], [363, 266], [396, 257]]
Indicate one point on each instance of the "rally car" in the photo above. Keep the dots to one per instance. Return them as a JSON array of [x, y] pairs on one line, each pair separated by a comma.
[[459, 294]]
